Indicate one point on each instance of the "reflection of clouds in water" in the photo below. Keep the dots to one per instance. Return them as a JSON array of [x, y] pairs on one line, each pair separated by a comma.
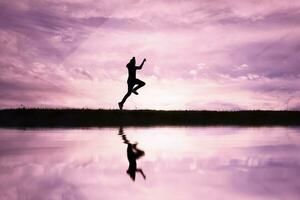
[[89, 164]]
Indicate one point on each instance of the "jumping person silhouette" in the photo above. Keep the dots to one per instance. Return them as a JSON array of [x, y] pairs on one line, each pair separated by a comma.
[[132, 80]]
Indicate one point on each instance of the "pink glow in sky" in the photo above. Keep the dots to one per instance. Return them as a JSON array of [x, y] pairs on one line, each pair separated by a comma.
[[201, 54]]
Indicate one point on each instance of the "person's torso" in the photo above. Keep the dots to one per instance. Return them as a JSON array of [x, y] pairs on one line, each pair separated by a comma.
[[131, 72]]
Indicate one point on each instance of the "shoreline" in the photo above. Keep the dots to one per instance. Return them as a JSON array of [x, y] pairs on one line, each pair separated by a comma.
[[31, 117]]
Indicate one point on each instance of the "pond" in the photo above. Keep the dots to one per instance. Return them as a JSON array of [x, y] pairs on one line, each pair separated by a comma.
[[151, 163]]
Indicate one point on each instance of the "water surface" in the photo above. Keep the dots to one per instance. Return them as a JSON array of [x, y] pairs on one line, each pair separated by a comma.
[[167, 163]]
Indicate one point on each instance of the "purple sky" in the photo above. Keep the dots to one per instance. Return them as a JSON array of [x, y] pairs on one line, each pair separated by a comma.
[[201, 54]]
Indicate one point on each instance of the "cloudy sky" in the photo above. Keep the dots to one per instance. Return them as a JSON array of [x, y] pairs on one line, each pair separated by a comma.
[[201, 54]]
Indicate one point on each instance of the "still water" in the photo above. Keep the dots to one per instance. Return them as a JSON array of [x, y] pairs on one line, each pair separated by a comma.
[[166, 163]]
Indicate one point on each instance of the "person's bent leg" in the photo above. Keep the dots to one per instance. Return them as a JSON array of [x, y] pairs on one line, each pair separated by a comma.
[[139, 85]]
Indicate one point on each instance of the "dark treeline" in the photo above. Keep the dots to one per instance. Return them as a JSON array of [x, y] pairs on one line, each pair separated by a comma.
[[112, 118]]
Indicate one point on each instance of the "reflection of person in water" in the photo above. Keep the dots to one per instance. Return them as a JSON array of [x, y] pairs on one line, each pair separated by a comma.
[[133, 83], [133, 153]]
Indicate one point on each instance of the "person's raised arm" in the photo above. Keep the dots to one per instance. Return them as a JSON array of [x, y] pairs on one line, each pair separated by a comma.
[[140, 67]]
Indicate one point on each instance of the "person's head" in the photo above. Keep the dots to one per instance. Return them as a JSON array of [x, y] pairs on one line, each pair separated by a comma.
[[132, 61]]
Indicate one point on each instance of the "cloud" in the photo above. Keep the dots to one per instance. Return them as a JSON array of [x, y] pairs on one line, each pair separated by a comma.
[[84, 73], [271, 58], [284, 18]]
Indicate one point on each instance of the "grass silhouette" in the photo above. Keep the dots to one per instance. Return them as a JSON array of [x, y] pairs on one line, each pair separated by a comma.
[[36, 117]]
